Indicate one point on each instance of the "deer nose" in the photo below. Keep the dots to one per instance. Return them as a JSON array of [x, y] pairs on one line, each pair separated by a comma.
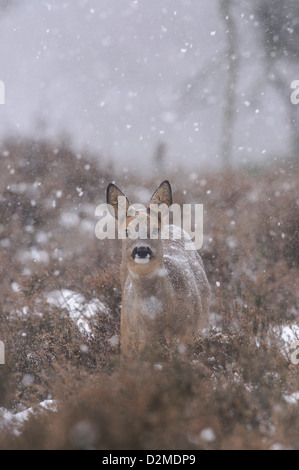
[[142, 252]]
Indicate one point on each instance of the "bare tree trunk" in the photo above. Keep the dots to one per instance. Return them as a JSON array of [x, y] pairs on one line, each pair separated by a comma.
[[229, 99], [282, 86]]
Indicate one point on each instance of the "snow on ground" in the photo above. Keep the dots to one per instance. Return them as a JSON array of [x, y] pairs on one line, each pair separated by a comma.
[[81, 312], [13, 422], [79, 309], [288, 334], [292, 399]]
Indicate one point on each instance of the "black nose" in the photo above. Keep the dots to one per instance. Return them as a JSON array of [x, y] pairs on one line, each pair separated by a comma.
[[142, 252]]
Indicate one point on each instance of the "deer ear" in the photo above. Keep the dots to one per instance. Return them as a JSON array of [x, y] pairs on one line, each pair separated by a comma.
[[112, 195], [162, 195]]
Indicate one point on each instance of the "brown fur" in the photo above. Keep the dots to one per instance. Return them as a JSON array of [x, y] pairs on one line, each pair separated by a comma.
[[164, 301]]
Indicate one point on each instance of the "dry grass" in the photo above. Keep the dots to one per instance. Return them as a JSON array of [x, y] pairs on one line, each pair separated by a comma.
[[231, 382]]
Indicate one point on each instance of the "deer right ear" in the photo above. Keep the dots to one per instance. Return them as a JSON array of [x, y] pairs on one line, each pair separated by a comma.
[[112, 195], [162, 195]]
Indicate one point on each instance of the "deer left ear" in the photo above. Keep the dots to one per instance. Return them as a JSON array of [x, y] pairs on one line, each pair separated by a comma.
[[162, 195], [112, 195]]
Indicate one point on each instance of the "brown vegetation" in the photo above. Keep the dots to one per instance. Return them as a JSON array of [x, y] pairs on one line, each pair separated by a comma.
[[227, 390]]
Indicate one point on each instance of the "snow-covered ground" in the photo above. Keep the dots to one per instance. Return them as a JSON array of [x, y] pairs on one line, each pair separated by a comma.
[[288, 335], [83, 312], [79, 309], [13, 422]]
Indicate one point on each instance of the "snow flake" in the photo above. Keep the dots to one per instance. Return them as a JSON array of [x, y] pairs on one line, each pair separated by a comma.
[[208, 435]]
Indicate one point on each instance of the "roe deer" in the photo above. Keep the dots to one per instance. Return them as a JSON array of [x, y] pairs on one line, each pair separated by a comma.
[[165, 292]]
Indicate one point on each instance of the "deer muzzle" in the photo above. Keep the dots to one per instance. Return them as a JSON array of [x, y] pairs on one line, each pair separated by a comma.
[[142, 254]]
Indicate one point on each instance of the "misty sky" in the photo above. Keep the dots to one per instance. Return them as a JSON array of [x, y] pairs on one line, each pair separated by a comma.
[[122, 76]]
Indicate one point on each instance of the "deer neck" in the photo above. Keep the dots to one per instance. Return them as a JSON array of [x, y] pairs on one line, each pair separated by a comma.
[[148, 280]]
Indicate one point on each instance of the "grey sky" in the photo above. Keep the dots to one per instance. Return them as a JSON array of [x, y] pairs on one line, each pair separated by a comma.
[[115, 76]]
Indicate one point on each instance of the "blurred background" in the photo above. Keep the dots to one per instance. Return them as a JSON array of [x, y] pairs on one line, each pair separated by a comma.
[[198, 92], [150, 84]]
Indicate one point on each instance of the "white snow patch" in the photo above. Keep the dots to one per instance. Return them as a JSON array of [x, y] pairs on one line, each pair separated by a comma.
[[13, 422], [79, 309], [15, 287], [292, 399], [79, 191], [288, 334]]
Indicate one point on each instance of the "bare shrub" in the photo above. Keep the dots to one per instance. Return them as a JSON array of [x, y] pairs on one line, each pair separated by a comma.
[[228, 388]]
